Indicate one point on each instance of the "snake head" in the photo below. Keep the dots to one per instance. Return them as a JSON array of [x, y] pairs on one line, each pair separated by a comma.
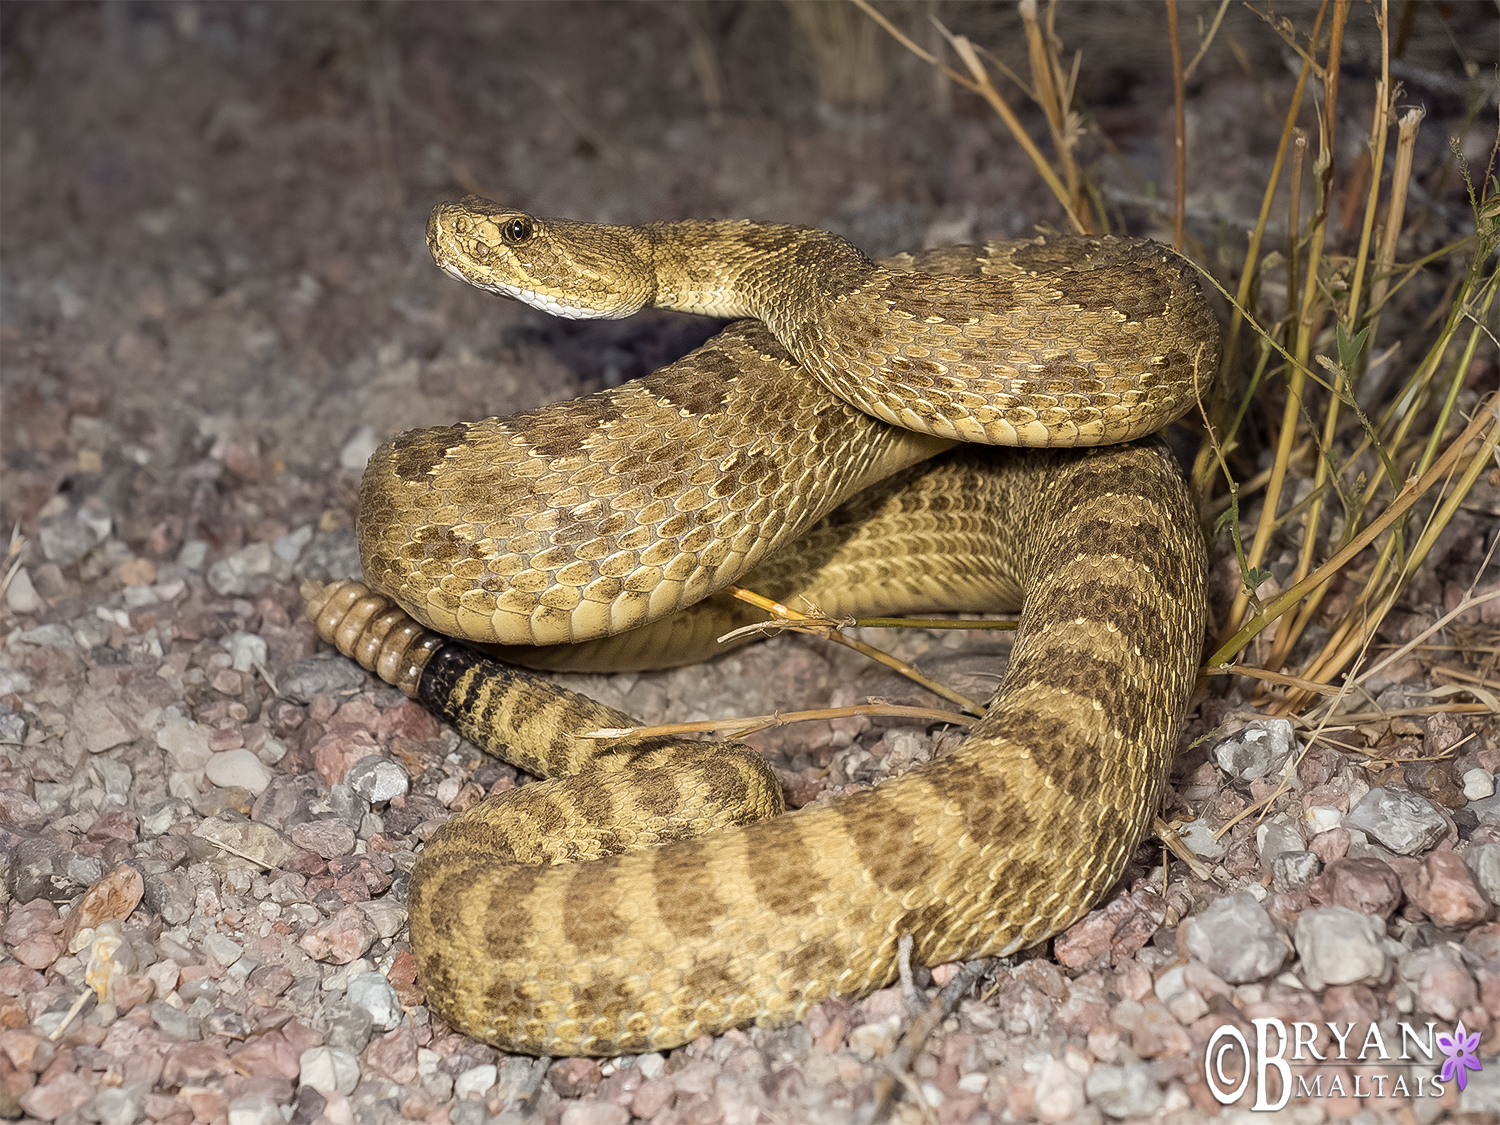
[[582, 271]]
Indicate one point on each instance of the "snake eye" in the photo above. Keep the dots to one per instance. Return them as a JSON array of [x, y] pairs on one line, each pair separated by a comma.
[[516, 231]]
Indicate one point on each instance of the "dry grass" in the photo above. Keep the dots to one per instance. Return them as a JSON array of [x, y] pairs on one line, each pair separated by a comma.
[[1366, 470]]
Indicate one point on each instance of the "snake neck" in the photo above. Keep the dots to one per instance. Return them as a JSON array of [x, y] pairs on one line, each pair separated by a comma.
[[741, 268]]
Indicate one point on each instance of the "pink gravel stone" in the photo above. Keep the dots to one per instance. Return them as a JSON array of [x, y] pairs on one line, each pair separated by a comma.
[[1369, 886], [63, 1094], [342, 938], [394, 1054], [337, 751], [1447, 893]]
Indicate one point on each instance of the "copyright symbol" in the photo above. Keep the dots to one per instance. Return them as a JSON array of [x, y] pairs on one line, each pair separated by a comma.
[[1214, 1059]]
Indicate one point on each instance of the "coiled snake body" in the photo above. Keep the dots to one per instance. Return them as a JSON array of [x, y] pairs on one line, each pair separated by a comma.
[[588, 915]]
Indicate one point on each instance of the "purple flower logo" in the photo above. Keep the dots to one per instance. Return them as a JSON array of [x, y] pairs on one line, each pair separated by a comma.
[[1460, 1052]]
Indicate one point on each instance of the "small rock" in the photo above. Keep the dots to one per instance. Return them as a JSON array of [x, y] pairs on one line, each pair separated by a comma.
[[249, 840], [328, 674], [1112, 933], [255, 1109], [1339, 946], [1059, 1091], [115, 1105], [12, 727], [1236, 939], [1123, 1091], [350, 1029], [474, 1082], [1199, 836], [186, 744], [111, 899], [1442, 984], [378, 780], [1318, 819], [329, 1070], [1259, 750], [68, 536], [249, 570], [1478, 784], [1448, 894], [341, 939], [21, 595], [394, 1054], [61, 1095], [174, 1022], [373, 993], [326, 838], [1368, 886], [1274, 838], [246, 651], [163, 816], [1484, 861], [359, 449], [238, 768], [1184, 1001], [100, 728], [222, 949], [1403, 822], [594, 1113], [1291, 871], [875, 1039]]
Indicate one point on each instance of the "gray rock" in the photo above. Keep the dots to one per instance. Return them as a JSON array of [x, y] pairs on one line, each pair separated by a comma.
[[350, 807], [1260, 750], [1403, 822], [1123, 1091], [1199, 836], [331, 555], [378, 780], [223, 949], [248, 571], [1341, 946], [48, 636], [1291, 871], [1273, 838], [246, 651], [227, 1023], [1236, 939], [290, 546], [164, 815], [170, 894], [373, 993], [68, 536], [1483, 861], [193, 555], [350, 1030], [174, 1022], [12, 727], [327, 674], [117, 1105]]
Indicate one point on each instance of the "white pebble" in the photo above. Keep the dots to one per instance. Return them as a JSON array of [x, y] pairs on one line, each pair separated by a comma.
[[238, 767], [330, 1070], [1479, 784], [475, 1082]]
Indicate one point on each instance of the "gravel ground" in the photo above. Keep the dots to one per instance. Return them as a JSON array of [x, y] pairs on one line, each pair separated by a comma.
[[216, 300]]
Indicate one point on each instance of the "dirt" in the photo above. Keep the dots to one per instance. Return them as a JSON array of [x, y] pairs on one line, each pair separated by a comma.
[[216, 299]]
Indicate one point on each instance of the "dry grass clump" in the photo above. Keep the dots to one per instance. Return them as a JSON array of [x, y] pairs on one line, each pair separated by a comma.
[[1372, 446]]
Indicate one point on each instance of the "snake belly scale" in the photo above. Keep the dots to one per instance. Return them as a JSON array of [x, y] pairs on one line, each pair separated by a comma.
[[649, 893]]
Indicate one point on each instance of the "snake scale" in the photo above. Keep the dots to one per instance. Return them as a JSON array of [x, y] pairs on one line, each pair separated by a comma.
[[648, 893]]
